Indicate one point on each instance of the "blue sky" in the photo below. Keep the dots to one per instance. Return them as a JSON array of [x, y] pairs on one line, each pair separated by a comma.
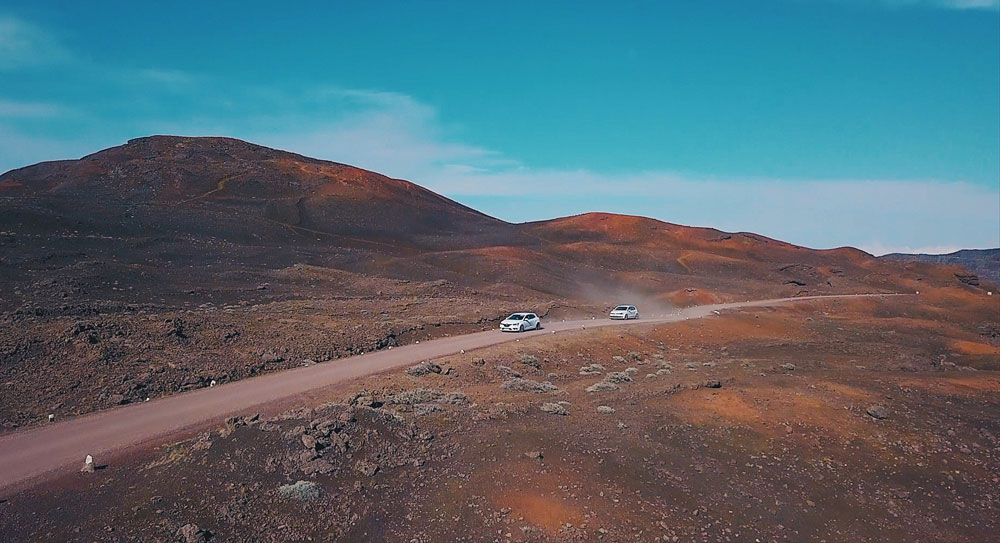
[[872, 123]]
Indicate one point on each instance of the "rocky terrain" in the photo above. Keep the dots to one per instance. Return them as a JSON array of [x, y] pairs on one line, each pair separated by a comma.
[[824, 420], [169, 264], [979, 264]]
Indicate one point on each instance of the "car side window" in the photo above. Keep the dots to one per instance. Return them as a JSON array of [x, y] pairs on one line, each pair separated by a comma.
[[531, 316]]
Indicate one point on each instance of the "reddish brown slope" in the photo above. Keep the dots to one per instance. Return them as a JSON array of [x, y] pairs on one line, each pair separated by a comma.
[[169, 262], [188, 184]]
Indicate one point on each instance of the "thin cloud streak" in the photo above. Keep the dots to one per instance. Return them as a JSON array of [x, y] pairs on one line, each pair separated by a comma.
[[403, 138], [24, 45], [29, 110]]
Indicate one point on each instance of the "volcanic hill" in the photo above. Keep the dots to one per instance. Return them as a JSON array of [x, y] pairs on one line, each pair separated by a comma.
[[169, 262]]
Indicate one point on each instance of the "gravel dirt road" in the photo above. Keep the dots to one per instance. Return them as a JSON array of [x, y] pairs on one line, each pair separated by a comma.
[[30, 455]]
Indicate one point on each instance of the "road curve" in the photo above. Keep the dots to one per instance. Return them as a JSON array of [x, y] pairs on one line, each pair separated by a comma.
[[32, 454]]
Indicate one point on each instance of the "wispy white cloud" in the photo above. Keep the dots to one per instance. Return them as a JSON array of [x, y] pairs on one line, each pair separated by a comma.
[[24, 45], [402, 137], [29, 110], [963, 4], [163, 77], [392, 133], [936, 4]]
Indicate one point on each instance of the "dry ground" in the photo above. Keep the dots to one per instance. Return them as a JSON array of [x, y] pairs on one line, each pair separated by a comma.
[[754, 425]]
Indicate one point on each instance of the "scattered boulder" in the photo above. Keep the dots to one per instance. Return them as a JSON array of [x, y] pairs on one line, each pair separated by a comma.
[[423, 368], [878, 412], [634, 355], [88, 465], [788, 366], [970, 279], [423, 396], [601, 386], [534, 454], [605, 410], [479, 362], [366, 467], [554, 409], [529, 360], [592, 369], [527, 385], [300, 490], [619, 359], [713, 383], [619, 376], [271, 357], [191, 533], [507, 371]]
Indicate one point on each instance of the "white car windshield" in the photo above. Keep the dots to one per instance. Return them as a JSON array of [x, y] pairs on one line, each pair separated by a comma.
[[622, 308], [515, 317]]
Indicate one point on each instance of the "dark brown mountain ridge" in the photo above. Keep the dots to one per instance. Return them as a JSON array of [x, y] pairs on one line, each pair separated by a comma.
[[169, 262]]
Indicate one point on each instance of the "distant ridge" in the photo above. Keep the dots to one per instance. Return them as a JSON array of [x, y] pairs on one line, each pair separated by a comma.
[[985, 263], [177, 214]]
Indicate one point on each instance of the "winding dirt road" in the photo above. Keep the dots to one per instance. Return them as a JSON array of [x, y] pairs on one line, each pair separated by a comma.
[[29, 455]]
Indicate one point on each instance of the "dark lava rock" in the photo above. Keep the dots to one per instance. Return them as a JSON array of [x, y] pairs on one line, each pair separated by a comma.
[[877, 412], [554, 409], [713, 384], [423, 368], [190, 533], [366, 467], [970, 279], [532, 361]]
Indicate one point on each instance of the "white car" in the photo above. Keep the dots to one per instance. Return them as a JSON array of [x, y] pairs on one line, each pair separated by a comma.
[[519, 322], [625, 312]]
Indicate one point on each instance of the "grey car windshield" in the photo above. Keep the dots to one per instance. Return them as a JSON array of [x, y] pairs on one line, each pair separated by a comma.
[[621, 308], [515, 317]]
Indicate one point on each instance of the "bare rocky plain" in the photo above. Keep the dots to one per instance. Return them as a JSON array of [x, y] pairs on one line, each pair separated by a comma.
[[168, 263]]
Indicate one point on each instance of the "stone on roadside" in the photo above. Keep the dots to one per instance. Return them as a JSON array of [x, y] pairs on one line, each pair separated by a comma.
[[423, 368]]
